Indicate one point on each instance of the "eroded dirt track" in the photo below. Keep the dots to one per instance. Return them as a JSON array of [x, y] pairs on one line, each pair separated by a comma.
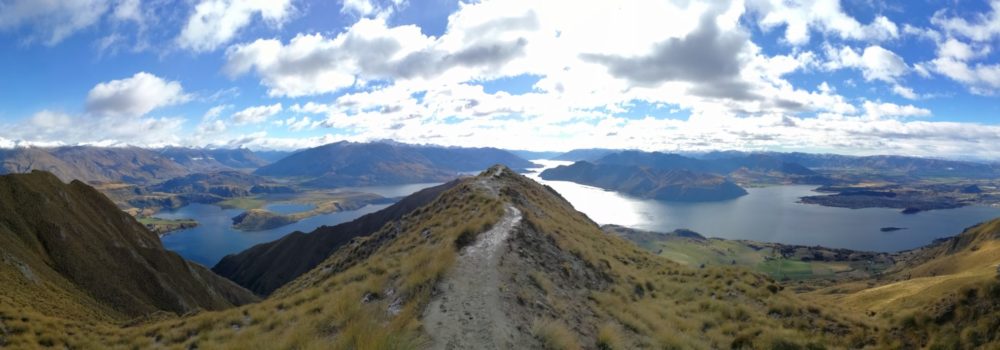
[[468, 313]]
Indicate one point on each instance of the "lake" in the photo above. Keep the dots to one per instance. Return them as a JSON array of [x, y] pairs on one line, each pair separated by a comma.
[[772, 214], [769, 214], [215, 237]]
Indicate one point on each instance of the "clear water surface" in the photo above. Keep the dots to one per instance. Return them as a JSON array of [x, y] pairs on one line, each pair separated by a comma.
[[773, 214]]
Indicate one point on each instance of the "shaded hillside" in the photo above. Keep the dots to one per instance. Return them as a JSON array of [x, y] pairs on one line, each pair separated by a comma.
[[356, 164], [203, 159], [67, 250], [266, 267], [669, 185]]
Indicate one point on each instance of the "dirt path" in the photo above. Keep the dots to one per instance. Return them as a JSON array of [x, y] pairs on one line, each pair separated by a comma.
[[468, 314]]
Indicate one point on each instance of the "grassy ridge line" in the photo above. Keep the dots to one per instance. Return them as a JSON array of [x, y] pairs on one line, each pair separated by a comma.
[[323, 309]]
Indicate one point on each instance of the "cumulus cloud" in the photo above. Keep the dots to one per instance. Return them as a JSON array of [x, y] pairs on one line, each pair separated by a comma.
[[377, 8], [707, 56], [884, 109], [368, 50], [257, 114], [216, 22], [875, 62], [50, 128], [134, 96], [51, 21], [982, 27], [800, 17], [979, 77]]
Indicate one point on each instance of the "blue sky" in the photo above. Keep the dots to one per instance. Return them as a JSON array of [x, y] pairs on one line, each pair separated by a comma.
[[854, 76]]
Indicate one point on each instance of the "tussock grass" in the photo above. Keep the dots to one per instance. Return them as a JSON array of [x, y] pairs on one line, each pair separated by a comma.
[[394, 270], [554, 335]]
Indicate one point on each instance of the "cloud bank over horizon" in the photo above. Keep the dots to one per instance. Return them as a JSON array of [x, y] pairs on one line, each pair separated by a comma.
[[756, 75]]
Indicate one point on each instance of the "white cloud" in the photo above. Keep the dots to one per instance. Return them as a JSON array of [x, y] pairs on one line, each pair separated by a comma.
[[368, 8], [313, 64], [983, 26], [961, 51], [300, 124], [905, 92], [826, 16], [980, 78], [51, 21], [134, 96], [48, 128], [875, 62], [216, 22], [878, 110], [257, 114]]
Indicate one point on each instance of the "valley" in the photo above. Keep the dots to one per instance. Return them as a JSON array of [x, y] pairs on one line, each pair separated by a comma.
[[497, 174], [560, 279], [402, 266]]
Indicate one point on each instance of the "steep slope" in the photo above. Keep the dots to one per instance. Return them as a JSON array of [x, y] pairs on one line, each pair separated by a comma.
[[67, 250], [379, 163], [944, 295], [539, 273], [265, 267], [669, 185], [525, 270]]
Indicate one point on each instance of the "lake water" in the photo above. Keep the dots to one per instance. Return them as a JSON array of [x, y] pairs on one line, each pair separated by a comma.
[[215, 237], [769, 214], [772, 214], [286, 208]]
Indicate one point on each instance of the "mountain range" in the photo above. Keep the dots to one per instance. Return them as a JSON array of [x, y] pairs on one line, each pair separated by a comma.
[[132, 165], [674, 177], [646, 182], [384, 163], [489, 261]]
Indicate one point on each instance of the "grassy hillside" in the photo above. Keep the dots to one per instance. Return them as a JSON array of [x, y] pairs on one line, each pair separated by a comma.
[[783, 262], [265, 267], [68, 251], [546, 277], [946, 294]]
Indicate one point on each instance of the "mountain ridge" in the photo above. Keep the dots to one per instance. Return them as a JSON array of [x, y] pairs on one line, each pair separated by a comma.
[[69, 239]]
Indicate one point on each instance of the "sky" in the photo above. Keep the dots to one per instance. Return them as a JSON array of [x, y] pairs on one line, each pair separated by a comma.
[[910, 77]]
